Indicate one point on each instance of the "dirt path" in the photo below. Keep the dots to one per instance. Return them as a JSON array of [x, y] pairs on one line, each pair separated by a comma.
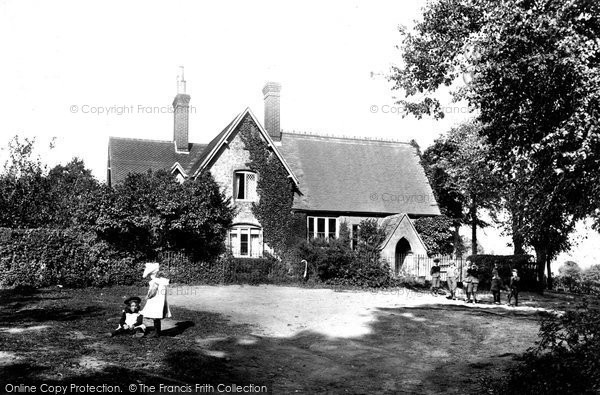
[[320, 340], [286, 311]]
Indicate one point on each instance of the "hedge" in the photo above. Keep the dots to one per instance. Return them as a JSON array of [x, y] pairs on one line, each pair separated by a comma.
[[45, 257], [72, 258]]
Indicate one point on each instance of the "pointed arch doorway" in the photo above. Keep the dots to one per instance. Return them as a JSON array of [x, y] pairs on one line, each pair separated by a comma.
[[403, 250]]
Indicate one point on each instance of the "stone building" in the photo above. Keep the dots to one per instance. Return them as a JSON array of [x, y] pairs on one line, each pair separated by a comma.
[[336, 179]]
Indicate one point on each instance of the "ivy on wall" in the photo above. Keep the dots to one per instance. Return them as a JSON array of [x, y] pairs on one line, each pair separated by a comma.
[[281, 228]]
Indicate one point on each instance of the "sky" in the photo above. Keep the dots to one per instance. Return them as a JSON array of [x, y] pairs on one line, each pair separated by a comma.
[[77, 72]]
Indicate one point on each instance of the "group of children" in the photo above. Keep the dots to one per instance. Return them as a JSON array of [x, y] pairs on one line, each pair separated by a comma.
[[156, 308], [471, 282]]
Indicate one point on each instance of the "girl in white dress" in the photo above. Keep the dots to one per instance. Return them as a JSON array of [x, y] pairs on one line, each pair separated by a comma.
[[156, 306]]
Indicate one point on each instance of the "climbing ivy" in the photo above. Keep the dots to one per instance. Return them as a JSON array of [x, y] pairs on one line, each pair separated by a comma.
[[281, 228]]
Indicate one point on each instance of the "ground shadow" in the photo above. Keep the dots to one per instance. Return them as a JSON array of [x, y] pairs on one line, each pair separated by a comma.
[[178, 329], [433, 348]]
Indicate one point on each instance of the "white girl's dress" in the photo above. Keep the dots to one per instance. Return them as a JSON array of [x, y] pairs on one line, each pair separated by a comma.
[[157, 306]]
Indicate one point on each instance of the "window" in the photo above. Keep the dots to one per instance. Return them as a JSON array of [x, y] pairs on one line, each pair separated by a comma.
[[331, 231], [354, 236], [322, 227], [244, 187], [245, 241]]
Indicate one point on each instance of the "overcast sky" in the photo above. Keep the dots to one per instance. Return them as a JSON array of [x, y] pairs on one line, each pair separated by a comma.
[[80, 72]]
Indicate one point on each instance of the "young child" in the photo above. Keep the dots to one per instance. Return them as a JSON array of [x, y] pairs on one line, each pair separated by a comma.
[[451, 276], [513, 287], [132, 321], [472, 283], [496, 286], [435, 277], [156, 306]]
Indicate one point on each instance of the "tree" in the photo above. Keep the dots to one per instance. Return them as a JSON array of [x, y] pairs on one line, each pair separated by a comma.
[[24, 190], [465, 176], [570, 274], [69, 185], [152, 212], [450, 201], [533, 76]]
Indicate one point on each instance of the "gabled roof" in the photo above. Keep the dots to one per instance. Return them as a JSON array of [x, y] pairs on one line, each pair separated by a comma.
[[127, 155], [358, 175], [222, 138], [391, 223]]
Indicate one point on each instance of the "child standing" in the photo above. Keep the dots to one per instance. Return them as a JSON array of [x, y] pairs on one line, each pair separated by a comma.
[[435, 277], [514, 287], [472, 283], [496, 286], [451, 279], [156, 306], [132, 321]]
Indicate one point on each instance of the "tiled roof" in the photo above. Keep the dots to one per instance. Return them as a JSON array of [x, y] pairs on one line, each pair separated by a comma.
[[128, 155], [358, 175]]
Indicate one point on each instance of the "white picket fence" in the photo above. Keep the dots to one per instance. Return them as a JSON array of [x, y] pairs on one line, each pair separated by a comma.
[[420, 266]]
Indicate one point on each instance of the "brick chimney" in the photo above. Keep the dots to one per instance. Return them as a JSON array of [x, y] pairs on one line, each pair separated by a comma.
[[272, 92], [181, 107]]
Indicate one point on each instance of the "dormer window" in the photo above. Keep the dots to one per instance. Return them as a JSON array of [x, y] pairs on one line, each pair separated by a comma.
[[245, 186], [178, 172]]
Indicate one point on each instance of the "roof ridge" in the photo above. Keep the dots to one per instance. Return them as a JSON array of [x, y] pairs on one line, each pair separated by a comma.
[[345, 137], [139, 139]]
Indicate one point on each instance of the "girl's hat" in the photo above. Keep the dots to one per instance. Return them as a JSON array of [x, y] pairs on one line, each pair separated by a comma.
[[436, 260], [132, 299], [151, 267]]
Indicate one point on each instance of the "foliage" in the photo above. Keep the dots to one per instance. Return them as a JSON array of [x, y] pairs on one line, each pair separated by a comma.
[[569, 274], [370, 239], [436, 233], [282, 228], [485, 265], [566, 359], [533, 75], [590, 283], [43, 257], [69, 187], [152, 212], [24, 189], [450, 201], [574, 279], [463, 175], [334, 262]]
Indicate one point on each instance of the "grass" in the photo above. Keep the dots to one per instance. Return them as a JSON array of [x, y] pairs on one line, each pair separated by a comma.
[[53, 336]]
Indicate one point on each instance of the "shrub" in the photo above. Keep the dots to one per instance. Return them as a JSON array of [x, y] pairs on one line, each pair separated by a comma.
[[566, 359], [437, 234], [334, 262]]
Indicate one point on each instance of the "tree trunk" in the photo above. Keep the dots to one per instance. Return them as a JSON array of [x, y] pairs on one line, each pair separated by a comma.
[[540, 264], [550, 281], [458, 247], [517, 237], [473, 215]]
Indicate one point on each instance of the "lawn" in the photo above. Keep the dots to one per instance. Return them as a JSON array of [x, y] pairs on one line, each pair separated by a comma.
[[286, 338]]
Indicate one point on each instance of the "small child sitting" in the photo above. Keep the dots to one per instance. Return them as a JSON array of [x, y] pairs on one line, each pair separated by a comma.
[[132, 321]]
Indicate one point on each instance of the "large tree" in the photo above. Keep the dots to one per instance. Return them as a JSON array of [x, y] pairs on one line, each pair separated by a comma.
[[463, 176], [532, 74]]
